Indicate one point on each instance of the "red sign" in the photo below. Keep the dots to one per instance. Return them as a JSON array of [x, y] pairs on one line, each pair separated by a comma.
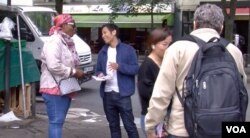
[[241, 11]]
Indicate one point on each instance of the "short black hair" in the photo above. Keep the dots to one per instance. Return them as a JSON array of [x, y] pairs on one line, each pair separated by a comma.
[[111, 27]]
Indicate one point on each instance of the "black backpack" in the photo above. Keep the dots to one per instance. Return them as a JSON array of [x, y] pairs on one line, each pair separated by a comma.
[[215, 90]]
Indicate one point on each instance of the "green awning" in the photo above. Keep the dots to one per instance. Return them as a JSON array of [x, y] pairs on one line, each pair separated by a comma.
[[169, 18], [123, 21], [30, 70]]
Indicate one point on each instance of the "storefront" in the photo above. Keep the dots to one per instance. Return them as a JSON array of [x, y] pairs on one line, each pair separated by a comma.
[[242, 27], [184, 19], [133, 28]]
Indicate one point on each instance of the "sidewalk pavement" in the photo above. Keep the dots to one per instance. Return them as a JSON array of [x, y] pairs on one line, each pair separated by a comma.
[[73, 128], [37, 128]]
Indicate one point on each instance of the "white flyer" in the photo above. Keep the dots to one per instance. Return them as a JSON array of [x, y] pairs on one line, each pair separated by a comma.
[[103, 78]]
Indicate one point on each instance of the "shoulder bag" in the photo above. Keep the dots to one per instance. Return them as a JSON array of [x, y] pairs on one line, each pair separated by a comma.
[[67, 85]]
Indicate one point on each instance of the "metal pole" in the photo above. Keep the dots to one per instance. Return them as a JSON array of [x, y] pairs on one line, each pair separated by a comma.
[[7, 77], [33, 99], [21, 68]]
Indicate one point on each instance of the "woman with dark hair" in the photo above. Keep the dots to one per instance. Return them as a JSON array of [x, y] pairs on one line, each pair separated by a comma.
[[158, 41]]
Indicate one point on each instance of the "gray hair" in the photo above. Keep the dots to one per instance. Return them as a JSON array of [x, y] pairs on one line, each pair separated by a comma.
[[209, 16]]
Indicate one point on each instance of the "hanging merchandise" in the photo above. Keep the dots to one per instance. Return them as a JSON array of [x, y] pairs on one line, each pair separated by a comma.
[[5, 28]]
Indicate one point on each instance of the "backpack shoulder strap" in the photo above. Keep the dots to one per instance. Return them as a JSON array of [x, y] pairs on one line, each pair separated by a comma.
[[199, 41], [195, 65], [224, 42], [185, 37], [195, 39], [181, 98], [189, 38]]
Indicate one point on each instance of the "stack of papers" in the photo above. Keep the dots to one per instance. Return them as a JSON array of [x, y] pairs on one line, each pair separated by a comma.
[[103, 78]]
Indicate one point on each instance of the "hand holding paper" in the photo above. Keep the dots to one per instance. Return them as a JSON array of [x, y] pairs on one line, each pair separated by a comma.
[[102, 78]]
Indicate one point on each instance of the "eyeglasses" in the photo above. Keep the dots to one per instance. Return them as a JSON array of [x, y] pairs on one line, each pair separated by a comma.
[[72, 24]]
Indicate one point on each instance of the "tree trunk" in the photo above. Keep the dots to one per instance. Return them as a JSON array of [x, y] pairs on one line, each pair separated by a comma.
[[229, 29], [152, 14], [59, 6], [229, 18], [8, 2]]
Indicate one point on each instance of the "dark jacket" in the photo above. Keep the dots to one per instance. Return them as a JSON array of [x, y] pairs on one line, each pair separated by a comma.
[[147, 75], [126, 58]]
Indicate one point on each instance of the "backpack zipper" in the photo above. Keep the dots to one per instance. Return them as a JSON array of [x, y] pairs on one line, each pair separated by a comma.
[[197, 83], [195, 129]]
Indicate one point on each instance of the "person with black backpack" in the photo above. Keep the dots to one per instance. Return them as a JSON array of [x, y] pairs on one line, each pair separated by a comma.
[[203, 75]]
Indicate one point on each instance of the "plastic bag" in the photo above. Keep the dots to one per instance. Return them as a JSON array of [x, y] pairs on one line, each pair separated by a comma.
[[5, 28]]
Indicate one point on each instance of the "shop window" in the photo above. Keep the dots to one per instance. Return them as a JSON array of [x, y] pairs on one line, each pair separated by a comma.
[[77, 1], [187, 22]]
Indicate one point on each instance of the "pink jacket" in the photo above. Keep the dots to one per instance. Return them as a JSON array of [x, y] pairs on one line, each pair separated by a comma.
[[59, 60]]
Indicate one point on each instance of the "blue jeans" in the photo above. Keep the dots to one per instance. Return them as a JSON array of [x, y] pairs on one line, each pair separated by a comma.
[[143, 125], [57, 108], [116, 106]]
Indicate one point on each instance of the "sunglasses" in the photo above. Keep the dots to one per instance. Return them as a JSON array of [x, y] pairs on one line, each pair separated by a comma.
[[72, 24]]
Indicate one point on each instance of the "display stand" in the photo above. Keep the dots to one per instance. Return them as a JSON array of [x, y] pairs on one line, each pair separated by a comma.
[[18, 75]]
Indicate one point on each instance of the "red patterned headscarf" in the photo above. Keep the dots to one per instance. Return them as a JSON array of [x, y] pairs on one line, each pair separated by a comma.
[[59, 20]]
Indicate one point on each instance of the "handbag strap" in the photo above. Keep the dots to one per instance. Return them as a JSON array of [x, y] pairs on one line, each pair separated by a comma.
[[51, 74]]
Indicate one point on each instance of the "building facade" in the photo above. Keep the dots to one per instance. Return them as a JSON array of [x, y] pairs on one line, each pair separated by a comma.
[[186, 8], [91, 14]]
